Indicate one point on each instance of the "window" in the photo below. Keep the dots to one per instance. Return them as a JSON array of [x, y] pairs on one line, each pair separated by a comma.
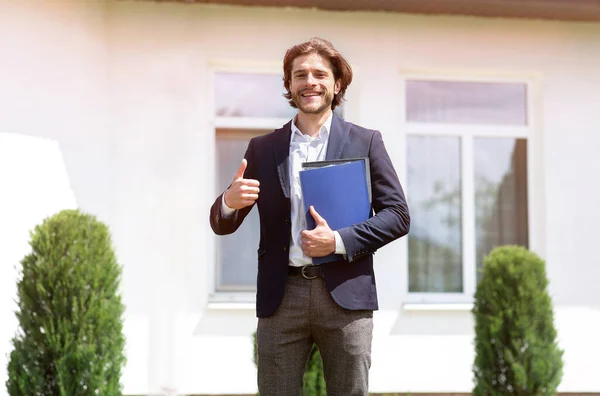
[[247, 103], [467, 179]]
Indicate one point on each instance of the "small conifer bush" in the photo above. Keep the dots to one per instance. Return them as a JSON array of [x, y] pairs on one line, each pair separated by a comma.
[[516, 351], [69, 341]]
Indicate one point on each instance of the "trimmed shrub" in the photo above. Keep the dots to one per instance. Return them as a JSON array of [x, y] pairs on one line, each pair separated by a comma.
[[314, 379], [69, 340], [516, 351]]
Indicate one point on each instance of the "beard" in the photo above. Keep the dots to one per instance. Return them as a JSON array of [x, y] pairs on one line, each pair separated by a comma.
[[313, 108]]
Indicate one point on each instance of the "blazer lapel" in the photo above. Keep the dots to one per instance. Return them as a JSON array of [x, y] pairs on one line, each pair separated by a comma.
[[282, 156], [337, 137]]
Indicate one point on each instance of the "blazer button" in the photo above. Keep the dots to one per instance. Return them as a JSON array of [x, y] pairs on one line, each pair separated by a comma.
[[285, 248]]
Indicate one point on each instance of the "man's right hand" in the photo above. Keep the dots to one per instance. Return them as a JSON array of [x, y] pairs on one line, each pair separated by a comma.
[[242, 192]]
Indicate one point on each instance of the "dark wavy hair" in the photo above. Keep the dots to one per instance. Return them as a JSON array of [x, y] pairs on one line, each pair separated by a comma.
[[341, 68]]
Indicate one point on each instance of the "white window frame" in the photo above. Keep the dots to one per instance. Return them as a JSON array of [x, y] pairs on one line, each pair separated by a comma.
[[235, 297], [467, 133]]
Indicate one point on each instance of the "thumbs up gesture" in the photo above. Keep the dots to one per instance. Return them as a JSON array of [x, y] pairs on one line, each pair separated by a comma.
[[319, 241], [242, 192]]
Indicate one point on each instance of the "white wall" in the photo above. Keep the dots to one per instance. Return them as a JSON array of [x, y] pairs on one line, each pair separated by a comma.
[[122, 88], [53, 142]]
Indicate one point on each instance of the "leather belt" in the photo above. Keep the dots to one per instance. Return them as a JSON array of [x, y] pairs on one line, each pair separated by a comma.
[[306, 271]]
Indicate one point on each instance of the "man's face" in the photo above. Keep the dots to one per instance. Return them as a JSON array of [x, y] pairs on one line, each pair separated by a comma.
[[312, 84]]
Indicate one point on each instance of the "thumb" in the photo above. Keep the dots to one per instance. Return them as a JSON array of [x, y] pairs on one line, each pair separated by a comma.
[[318, 219], [240, 172]]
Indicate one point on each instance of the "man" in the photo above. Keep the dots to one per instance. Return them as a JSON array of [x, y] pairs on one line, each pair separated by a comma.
[[299, 303]]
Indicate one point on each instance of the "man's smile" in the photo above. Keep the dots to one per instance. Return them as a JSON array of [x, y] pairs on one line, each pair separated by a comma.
[[310, 94]]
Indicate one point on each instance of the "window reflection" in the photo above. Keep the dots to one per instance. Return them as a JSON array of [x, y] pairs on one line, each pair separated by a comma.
[[434, 197], [500, 194]]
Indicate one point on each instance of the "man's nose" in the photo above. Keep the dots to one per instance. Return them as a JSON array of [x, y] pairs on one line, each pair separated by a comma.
[[311, 80]]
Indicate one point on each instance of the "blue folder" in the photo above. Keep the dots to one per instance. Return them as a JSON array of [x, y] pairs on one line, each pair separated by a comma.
[[340, 191]]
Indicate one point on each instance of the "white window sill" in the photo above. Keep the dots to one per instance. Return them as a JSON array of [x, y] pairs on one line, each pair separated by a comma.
[[232, 301], [437, 306]]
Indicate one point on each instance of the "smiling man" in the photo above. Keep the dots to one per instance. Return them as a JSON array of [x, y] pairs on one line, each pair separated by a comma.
[[299, 303]]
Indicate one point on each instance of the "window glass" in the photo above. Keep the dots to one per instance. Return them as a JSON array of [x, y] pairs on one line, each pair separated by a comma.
[[501, 212], [434, 199], [461, 102], [236, 253]]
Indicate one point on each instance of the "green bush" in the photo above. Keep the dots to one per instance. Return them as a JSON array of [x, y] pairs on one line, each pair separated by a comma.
[[69, 340], [516, 351], [314, 380]]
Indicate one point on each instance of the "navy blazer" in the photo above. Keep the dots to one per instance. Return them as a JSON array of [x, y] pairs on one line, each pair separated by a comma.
[[351, 281]]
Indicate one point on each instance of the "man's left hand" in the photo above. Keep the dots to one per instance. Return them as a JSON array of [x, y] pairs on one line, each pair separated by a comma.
[[320, 241]]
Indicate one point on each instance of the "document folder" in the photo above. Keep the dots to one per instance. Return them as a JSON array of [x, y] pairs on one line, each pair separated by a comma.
[[340, 191]]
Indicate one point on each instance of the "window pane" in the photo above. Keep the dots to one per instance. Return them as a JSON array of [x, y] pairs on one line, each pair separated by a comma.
[[251, 95], [434, 199], [500, 194], [236, 253], [466, 102]]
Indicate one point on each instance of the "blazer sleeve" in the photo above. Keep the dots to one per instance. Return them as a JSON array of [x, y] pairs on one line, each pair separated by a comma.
[[391, 220], [227, 225]]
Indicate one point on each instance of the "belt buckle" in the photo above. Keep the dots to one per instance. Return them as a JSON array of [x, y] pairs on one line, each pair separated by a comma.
[[304, 274]]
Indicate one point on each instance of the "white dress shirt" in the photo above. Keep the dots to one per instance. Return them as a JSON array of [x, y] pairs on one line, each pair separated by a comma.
[[303, 148]]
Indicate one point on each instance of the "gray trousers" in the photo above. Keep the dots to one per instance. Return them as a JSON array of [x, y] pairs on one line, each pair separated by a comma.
[[309, 314]]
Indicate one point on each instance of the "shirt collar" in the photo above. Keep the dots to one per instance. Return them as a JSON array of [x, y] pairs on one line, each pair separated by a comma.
[[323, 133]]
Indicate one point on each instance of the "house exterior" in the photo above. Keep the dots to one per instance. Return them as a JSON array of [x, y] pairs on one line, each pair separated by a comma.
[[139, 112]]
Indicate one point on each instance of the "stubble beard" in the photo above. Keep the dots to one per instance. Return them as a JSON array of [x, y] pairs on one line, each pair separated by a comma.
[[326, 101]]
